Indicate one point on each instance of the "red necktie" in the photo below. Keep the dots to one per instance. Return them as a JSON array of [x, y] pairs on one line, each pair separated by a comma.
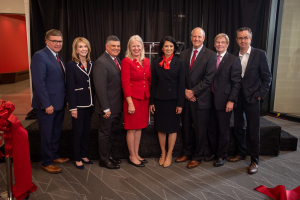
[[117, 63], [62, 68], [218, 63], [193, 58]]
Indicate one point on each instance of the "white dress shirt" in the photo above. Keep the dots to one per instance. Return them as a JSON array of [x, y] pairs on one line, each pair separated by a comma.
[[244, 60]]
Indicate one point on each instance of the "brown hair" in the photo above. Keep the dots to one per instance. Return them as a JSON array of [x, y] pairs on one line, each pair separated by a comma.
[[52, 32], [75, 56]]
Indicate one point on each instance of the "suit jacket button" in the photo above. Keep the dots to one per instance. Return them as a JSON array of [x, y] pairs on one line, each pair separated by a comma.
[[144, 86], [169, 90]]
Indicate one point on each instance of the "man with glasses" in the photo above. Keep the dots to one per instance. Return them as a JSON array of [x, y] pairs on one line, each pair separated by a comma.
[[48, 80], [255, 84], [224, 96]]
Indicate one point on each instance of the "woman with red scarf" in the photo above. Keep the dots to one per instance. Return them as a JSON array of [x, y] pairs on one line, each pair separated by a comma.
[[167, 96]]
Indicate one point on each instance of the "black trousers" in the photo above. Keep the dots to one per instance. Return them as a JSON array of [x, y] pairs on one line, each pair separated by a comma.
[[194, 126], [108, 128], [218, 130], [81, 132], [251, 113]]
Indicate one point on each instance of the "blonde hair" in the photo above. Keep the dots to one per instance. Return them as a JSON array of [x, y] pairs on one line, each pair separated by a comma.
[[128, 52], [75, 56], [222, 35]]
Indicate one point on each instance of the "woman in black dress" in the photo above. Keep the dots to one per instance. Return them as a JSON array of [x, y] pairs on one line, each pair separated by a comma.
[[167, 96]]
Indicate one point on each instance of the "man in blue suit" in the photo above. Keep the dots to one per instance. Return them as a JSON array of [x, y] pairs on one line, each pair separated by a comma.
[[48, 79], [255, 84]]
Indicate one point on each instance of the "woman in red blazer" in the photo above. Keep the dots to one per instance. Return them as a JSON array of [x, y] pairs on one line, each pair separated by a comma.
[[136, 79]]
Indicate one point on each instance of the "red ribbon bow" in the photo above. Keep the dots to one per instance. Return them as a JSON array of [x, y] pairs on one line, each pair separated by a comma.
[[166, 61], [17, 146], [279, 192], [81, 66]]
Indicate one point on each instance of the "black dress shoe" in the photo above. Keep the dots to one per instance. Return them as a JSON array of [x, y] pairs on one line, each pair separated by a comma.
[[137, 165], [114, 160], [210, 158], [220, 162], [108, 165], [144, 161]]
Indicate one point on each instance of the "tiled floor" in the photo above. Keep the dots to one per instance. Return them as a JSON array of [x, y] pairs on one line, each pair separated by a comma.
[[18, 94], [153, 181]]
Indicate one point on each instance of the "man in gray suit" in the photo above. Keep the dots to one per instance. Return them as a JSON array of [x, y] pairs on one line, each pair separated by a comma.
[[108, 102]]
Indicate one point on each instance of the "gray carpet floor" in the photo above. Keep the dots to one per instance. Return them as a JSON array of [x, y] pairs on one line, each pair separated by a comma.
[[175, 182]]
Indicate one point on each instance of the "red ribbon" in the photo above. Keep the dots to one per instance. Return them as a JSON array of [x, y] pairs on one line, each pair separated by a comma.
[[17, 146], [166, 61], [279, 192]]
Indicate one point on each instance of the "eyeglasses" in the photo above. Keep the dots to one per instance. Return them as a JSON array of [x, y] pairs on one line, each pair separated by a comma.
[[243, 38], [223, 42], [56, 41]]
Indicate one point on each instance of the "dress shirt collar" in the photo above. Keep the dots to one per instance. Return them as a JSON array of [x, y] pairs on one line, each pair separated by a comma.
[[248, 52], [111, 56], [199, 49], [222, 54], [54, 54]]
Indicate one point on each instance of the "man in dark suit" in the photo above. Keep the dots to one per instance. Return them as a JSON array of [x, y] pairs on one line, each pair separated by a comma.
[[109, 98], [200, 70], [255, 84], [48, 80], [224, 96]]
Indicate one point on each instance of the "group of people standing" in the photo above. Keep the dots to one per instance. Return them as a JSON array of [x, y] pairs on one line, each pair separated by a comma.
[[201, 88]]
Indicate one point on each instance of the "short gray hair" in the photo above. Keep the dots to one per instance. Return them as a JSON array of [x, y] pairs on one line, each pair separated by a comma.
[[200, 29], [244, 29]]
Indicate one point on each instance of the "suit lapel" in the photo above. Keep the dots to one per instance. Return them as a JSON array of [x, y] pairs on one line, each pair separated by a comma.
[[52, 57], [251, 57], [187, 60], [89, 67], [79, 64], [200, 55], [112, 62], [222, 63]]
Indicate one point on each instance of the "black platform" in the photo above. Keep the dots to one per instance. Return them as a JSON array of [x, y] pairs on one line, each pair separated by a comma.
[[272, 141]]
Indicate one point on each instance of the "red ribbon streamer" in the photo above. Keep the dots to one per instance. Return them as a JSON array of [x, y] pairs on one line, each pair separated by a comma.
[[17, 146], [279, 192]]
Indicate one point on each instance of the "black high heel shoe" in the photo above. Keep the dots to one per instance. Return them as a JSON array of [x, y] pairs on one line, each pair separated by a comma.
[[144, 161], [88, 162], [79, 166], [137, 165]]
